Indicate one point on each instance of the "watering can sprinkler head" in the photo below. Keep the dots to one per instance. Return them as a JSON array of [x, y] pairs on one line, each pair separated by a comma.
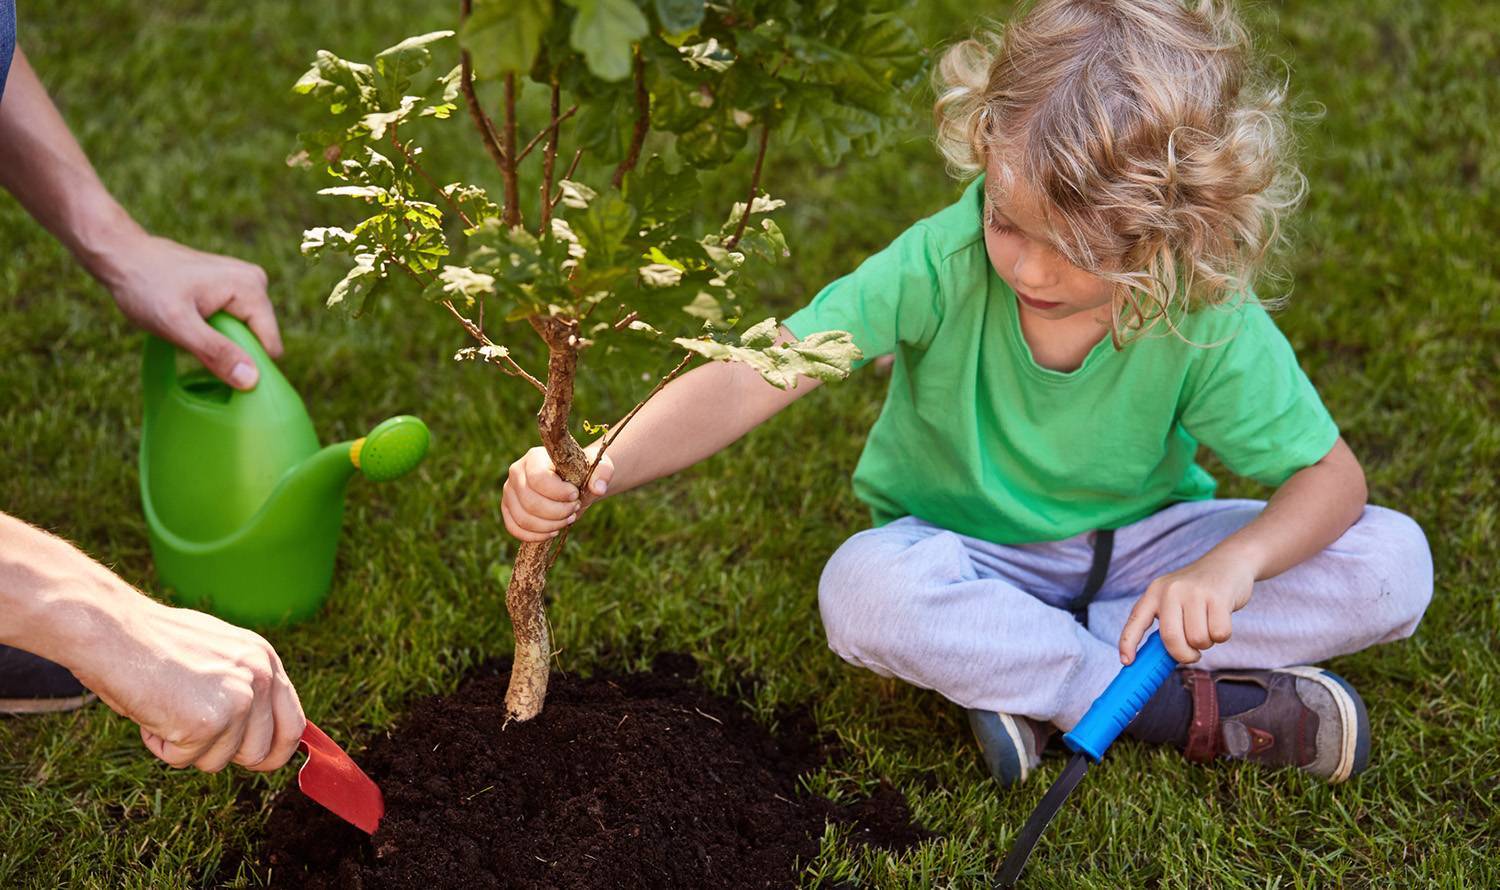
[[242, 506]]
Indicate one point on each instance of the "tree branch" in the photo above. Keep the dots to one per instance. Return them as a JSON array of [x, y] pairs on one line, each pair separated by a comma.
[[549, 156], [411, 161], [618, 428], [514, 369], [642, 122], [471, 99], [512, 182], [760, 157], [550, 128], [609, 436], [568, 175]]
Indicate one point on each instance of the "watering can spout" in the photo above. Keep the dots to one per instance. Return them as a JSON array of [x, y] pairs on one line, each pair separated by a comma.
[[316, 486], [242, 505]]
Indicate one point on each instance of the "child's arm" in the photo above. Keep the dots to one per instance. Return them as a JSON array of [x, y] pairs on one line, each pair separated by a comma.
[[692, 418], [1307, 513]]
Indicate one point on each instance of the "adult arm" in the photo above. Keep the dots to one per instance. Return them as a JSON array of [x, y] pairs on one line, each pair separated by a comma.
[[1308, 512], [694, 417], [205, 693], [162, 286]]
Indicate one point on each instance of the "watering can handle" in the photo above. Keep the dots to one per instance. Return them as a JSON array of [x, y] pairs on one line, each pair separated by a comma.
[[160, 372]]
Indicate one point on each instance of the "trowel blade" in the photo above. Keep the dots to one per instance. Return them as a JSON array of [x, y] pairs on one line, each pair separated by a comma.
[[1031, 832], [332, 779]]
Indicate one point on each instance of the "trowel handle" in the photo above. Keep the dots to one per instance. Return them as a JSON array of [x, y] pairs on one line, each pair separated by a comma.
[[1121, 700], [160, 366]]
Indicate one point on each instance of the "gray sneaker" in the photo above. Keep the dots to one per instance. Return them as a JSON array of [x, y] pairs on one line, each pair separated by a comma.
[[1311, 719], [30, 684], [1010, 744]]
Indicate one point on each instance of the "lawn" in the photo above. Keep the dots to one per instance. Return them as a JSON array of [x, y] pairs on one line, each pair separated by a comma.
[[1395, 310]]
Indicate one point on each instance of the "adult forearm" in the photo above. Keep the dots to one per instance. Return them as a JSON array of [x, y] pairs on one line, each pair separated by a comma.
[[692, 418], [44, 167], [54, 600], [1307, 513]]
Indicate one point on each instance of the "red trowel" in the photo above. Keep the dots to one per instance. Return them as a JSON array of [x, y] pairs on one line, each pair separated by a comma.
[[333, 780]]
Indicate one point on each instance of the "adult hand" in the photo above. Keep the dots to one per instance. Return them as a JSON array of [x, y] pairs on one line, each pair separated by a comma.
[[168, 289], [538, 503], [1192, 606], [205, 693]]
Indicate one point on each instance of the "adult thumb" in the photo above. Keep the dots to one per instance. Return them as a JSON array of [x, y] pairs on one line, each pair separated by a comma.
[[219, 355], [170, 753]]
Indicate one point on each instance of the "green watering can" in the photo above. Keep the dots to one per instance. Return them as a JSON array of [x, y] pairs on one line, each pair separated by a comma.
[[242, 506]]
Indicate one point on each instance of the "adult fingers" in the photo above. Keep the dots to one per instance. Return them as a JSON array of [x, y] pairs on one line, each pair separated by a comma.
[[251, 304], [1141, 616], [260, 731], [178, 755], [227, 361], [224, 747], [286, 709]]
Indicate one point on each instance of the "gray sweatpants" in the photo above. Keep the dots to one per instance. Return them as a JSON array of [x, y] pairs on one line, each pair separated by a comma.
[[987, 626]]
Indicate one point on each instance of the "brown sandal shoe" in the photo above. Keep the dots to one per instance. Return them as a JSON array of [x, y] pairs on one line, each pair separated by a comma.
[[1311, 719]]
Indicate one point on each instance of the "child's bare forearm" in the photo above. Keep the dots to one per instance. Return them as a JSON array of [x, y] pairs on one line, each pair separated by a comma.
[[693, 418], [1307, 513]]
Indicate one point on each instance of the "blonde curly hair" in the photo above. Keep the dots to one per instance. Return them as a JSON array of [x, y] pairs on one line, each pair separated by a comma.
[[1162, 159]]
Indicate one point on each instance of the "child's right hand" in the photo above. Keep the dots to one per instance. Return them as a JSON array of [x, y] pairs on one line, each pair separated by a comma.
[[538, 503]]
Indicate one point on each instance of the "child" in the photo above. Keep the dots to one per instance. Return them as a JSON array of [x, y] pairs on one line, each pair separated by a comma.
[[1065, 336]]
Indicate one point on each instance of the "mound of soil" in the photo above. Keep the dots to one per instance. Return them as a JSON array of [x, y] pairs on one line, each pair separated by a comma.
[[638, 780]]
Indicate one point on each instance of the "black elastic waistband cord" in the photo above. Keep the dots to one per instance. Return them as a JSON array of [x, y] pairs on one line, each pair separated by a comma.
[[1104, 548]]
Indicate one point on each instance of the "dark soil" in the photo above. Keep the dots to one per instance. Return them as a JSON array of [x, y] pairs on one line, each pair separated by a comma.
[[638, 780]]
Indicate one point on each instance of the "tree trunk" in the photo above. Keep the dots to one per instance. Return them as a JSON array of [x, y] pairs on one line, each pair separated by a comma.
[[528, 580]]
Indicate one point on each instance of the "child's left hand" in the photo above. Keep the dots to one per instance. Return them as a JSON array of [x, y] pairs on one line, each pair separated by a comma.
[[1193, 605]]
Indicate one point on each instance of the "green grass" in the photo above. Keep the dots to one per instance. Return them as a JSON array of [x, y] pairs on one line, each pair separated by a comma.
[[184, 107]]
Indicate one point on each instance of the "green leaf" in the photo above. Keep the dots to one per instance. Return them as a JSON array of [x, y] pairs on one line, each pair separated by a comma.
[[576, 195], [829, 355], [341, 83], [677, 16], [358, 283], [378, 122], [367, 192], [660, 275], [396, 65], [759, 335], [707, 307], [451, 83], [815, 115], [712, 141], [604, 227], [604, 123], [465, 283], [324, 238], [502, 36], [605, 32], [708, 54]]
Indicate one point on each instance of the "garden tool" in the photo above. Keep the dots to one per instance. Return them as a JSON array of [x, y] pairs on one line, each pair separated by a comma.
[[331, 778], [242, 507], [1107, 717]]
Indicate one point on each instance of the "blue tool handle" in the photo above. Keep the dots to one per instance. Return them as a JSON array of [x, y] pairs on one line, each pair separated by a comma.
[[1121, 700]]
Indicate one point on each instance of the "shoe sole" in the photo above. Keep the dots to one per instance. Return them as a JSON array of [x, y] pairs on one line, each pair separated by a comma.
[[1351, 714], [1008, 736], [20, 706]]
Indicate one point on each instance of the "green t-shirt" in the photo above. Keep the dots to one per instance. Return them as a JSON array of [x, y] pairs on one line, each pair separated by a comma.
[[976, 437]]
